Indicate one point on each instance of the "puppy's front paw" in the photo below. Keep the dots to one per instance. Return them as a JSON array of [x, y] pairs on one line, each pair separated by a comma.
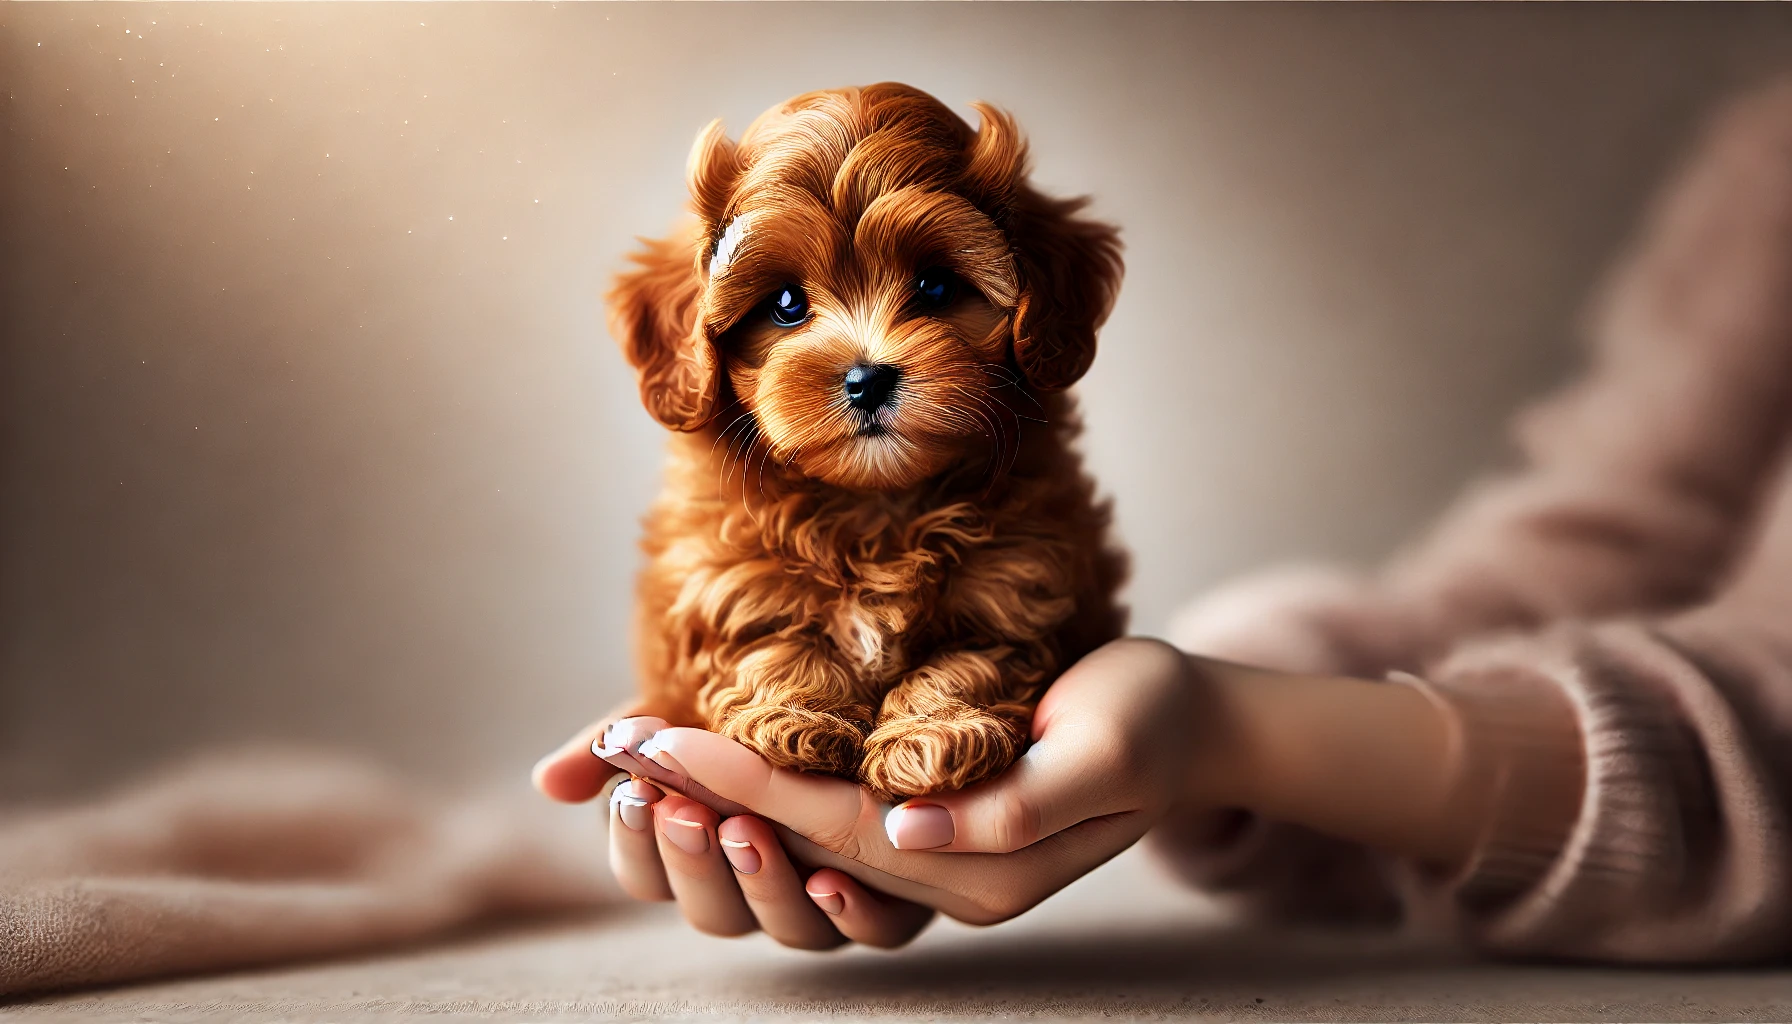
[[795, 737], [915, 756]]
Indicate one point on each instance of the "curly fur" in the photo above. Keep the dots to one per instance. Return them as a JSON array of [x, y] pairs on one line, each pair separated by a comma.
[[878, 596]]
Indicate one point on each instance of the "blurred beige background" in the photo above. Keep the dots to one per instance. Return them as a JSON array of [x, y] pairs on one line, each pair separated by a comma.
[[311, 427]]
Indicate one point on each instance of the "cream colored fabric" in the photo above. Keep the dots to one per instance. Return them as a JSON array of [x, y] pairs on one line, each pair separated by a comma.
[[266, 857]]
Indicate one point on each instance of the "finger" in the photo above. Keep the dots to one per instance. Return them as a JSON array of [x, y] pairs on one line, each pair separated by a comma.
[[634, 853], [573, 773], [827, 811], [865, 916], [772, 886], [643, 757], [700, 878]]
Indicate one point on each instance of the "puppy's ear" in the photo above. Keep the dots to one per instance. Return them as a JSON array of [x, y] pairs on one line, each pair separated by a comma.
[[654, 307], [653, 314], [1069, 267], [711, 172]]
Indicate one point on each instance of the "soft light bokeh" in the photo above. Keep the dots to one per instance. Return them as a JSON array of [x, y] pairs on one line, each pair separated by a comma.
[[312, 428]]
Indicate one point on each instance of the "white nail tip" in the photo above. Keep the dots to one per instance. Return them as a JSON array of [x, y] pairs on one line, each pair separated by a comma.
[[681, 821], [890, 821], [737, 844]]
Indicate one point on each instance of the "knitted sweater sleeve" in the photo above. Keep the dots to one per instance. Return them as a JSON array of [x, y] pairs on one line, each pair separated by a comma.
[[1617, 611]]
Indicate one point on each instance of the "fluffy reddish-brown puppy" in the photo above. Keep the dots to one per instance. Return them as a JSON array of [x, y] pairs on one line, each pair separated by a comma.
[[875, 546]]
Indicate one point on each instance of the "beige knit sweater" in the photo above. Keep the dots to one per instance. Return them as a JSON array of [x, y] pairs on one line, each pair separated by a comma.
[[1626, 595]]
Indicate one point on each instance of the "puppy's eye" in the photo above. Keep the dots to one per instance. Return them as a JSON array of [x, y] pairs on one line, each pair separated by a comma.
[[789, 306], [936, 287]]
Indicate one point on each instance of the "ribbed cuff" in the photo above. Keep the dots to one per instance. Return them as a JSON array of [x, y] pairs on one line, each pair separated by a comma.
[[1648, 829], [1519, 748]]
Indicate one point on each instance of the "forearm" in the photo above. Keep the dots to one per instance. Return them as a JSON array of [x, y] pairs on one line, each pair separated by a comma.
[[1386, 765]]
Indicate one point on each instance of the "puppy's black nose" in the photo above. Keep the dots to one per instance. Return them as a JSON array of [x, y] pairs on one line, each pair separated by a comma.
[[869, 387]]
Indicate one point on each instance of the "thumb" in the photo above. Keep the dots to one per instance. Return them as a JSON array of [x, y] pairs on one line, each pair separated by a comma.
[[1056, 784], [573, 773]]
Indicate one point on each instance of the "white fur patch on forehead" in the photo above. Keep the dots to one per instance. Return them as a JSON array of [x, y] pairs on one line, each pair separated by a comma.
[[726, 246]]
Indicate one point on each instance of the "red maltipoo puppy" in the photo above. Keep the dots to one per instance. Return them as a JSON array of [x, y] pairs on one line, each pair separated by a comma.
[[876, 546]]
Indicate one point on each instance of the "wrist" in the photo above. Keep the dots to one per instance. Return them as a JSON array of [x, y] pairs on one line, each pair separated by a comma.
[[1370, 762], [1222, 772]]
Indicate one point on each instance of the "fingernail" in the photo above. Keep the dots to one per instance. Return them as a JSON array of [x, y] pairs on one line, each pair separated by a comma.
[[625, 733], [601, 746], [742, 855], [635, 811], [690, 836], [654, 752], [919, 827], [832, 902]]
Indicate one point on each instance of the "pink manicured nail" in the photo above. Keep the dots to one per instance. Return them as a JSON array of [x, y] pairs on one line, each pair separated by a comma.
[[690, 836], [745, 859], [832, 902], [652, 750], [633, 805], [919, 827]]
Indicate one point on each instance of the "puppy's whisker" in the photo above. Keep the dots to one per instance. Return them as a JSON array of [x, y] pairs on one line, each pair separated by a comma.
[[726, 431], [732, 424], [765, 457], [974, 408], [1007, 454], [1009, 379], [976, 411], [802, 440], [751, 426], [727, 468], [737, 453], [979, 407]]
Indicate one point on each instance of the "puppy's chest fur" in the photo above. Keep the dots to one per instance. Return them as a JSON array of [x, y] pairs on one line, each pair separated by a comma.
[[902, 639], [877, 585]]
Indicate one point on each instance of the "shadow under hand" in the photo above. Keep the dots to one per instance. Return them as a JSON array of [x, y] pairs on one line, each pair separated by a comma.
[[1184, 963]]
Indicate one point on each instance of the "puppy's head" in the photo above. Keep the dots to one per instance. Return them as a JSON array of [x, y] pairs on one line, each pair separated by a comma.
[[869, 283]]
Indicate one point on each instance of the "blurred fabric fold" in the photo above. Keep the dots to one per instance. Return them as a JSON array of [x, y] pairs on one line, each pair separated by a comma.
[[271, 855]]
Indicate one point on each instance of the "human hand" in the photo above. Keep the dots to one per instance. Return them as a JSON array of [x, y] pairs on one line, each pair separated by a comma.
[[1119, 739], [726, 868]]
